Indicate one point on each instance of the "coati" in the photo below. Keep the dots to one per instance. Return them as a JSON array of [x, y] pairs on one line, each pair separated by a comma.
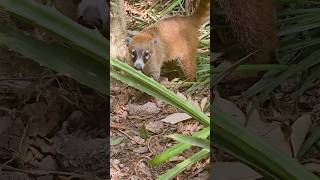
[[172, 38], [94, 14], [89, 13], [253, 24]]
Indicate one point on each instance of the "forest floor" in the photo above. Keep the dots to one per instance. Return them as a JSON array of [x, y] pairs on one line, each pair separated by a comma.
[[140, 123], [284, 121], [51, 126]]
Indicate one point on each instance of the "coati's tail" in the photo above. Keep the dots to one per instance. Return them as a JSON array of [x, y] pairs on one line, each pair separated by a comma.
[[201, 12]]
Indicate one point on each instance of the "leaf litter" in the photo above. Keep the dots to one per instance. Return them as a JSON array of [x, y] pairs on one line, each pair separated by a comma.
[[159, 120], [51, 126], [284, 121]]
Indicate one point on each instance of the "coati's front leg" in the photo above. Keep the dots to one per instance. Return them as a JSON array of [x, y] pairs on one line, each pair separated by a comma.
[[153, 70]]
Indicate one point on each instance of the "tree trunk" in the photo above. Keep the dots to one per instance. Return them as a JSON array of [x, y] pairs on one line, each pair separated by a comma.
[[118, 30], [118, 50]]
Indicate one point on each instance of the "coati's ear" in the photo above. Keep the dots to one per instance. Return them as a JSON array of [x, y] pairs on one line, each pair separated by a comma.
[[154, 42], [128, 40]]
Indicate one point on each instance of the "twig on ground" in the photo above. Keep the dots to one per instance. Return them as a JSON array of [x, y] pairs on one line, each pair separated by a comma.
[[129, 136], [141, 160]]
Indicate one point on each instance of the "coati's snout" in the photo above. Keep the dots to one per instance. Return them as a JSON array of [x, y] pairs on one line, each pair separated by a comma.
[[138, 67], [140, 52], [91, 20], [94, 14]]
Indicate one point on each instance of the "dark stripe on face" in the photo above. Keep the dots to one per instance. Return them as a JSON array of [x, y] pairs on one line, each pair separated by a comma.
[[140, 54], [146, 56], [133, 55]]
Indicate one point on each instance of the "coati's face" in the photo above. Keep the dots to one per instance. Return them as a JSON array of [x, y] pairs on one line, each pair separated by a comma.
[[141, 51], [93, 14]]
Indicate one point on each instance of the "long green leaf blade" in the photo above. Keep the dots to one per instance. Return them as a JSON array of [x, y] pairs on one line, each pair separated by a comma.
[[313, 138], [89, 41], [171, 173], [253, 149], [177, 149], [59, 58], [194, 141], [138, 79]]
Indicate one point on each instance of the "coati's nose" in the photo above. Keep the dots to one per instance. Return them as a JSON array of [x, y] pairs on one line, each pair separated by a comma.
[[138, 67], [90, 24]]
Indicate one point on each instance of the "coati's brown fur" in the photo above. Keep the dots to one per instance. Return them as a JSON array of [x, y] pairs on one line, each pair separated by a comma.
[[172, 38], [253, 23]]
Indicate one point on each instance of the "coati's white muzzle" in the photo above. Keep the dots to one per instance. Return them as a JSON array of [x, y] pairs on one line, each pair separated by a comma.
[[139, 64]]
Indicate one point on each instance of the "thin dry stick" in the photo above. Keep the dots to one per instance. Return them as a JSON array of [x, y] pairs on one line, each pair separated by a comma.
[[128, 136], [141, 160], [9, 110]]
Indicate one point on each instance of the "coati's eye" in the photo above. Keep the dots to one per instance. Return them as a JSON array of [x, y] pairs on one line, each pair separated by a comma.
[[133, 55], [146, 56], [133, 52]]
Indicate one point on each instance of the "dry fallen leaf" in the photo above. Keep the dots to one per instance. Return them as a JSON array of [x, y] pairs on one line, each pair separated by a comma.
[[194, 103], [181, 95], [228, 108], [277, 139], [155, 127], [203, 103], [148, 108], [189, 127], [300, 129], [176, 117], [255, 124]]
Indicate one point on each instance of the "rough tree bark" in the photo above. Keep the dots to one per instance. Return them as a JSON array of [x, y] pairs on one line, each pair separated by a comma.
[[118, 30], [118, 49]]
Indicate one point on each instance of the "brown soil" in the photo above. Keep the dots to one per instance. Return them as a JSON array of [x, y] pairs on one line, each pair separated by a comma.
[[51, 127]]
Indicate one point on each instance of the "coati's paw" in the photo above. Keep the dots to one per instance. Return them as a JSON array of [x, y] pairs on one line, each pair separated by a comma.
[[152, 70], [155, 76]]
